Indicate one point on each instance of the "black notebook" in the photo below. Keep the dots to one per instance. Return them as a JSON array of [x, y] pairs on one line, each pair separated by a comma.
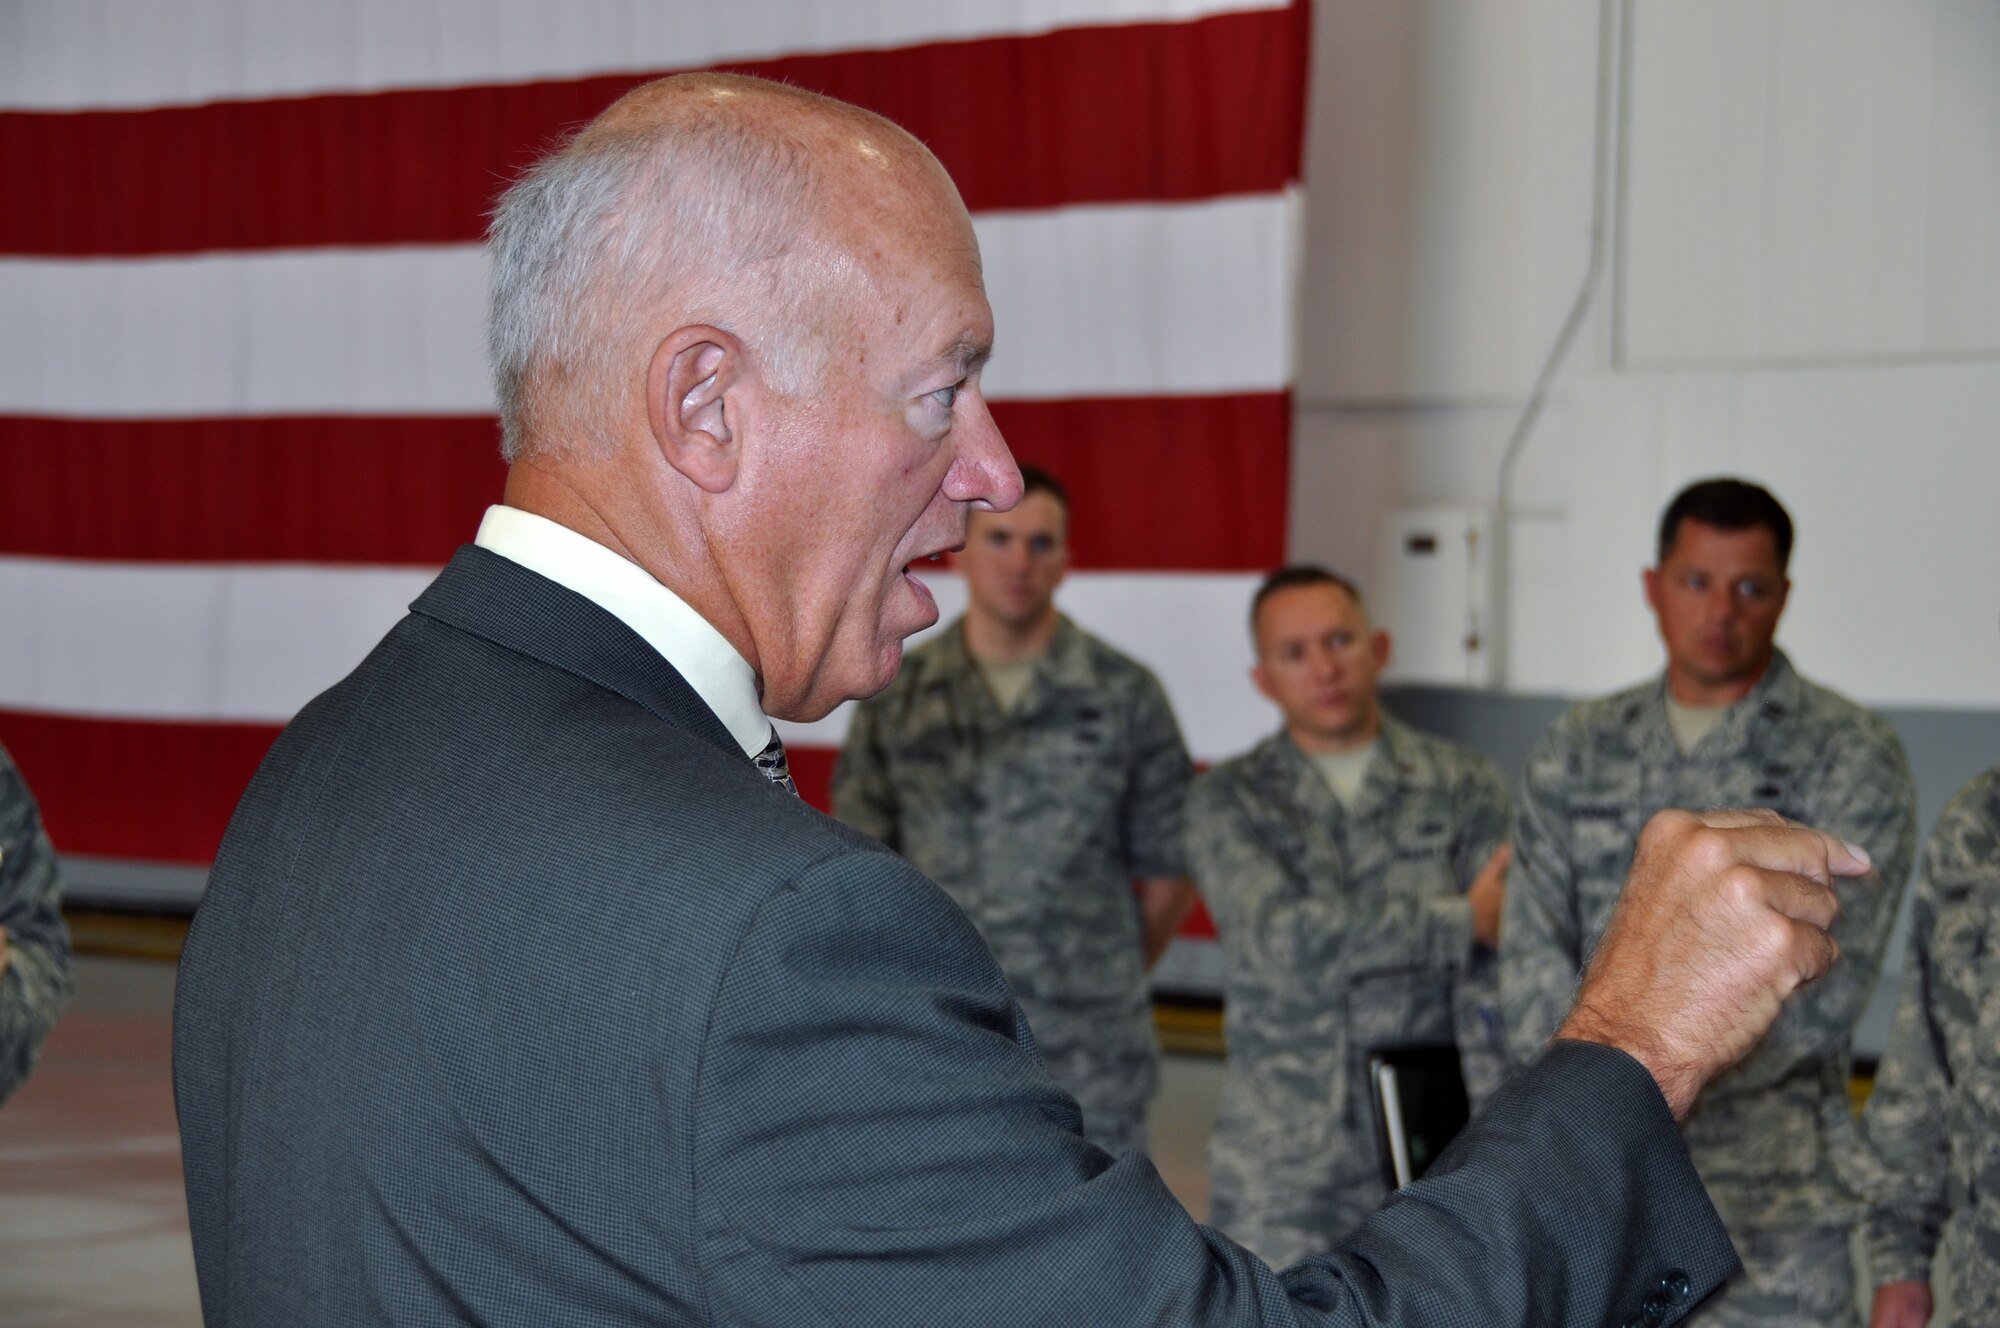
[[1420, 1106]]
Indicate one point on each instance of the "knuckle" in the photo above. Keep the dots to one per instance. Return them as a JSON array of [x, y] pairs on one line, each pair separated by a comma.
[[1771, 940], [1740, 888], [1709, 853], [1669, 824]]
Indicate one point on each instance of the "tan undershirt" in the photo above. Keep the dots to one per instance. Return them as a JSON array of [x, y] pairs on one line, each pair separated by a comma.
[[1007, 681], [1345, 771], [1691, 724]]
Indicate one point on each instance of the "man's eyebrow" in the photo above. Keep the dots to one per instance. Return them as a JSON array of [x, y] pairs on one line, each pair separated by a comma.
[[968, 353]]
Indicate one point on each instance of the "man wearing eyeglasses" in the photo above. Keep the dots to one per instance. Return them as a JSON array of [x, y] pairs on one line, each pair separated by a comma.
[[1729, 723]]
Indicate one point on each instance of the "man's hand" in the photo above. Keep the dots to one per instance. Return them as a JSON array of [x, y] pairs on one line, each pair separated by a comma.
[[1724, 915], [1486, 893], [1901, 1305]]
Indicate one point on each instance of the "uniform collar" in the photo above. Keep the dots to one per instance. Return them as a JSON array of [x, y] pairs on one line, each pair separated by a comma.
[[1775, 699], [1065, 665], [1288, 774], [1394, 765]]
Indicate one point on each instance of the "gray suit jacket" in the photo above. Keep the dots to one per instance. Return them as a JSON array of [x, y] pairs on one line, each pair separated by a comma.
[[519, 997]]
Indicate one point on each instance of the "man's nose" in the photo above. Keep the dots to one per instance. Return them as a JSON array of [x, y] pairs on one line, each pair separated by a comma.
[[983, 471]]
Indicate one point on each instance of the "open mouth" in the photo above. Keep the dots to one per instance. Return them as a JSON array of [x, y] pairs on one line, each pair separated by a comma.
[[909, 575]]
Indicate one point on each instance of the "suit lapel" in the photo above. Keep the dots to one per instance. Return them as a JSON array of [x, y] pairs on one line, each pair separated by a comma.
[[498, 600]]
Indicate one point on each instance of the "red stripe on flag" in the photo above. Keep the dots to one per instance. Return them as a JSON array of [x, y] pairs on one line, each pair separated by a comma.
[[1189, 484], [135, 788], [812, 771], [1199, 924], [336, 489], [1089, 115]]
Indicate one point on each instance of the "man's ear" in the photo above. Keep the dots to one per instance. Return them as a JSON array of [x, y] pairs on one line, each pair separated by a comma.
[[1261, 680], [1382, 646], [689, 394]]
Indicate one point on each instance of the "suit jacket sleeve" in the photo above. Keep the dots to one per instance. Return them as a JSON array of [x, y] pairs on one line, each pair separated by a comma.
[[874, 1142]]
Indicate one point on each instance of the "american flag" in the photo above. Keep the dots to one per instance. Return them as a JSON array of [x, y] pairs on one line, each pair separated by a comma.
[[244, 413]]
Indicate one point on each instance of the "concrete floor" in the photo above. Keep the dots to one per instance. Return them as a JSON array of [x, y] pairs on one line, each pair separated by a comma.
[[93, 1223]]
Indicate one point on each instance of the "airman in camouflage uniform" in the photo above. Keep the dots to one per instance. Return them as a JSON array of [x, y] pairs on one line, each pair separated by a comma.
[[1773, 1138], [1037, 817], [1344, 921], [35, 961], [1934, 1117]]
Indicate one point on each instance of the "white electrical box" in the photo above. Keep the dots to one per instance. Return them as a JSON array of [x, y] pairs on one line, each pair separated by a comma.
[[1438, 596]]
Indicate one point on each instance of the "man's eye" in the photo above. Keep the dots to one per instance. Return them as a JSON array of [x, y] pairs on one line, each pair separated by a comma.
[[948, 396]]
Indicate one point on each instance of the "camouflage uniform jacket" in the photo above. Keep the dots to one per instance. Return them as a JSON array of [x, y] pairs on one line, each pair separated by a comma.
[[1036, 821], [1934, 1117], [1344, 928], [36, 985], [1774, 1138]]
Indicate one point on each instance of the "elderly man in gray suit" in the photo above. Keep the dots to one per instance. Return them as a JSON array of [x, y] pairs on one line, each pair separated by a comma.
[[526, 992]]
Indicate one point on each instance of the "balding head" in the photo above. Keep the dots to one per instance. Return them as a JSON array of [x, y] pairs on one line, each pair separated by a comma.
[[703, 198], [737, 331]]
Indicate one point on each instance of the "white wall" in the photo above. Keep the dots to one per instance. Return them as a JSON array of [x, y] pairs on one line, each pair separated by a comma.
[[1803, 287]]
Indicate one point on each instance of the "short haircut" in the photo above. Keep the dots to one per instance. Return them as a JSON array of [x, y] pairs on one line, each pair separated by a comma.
[[1036, 480], [1298, 574], [715, 217], [1728, 504]]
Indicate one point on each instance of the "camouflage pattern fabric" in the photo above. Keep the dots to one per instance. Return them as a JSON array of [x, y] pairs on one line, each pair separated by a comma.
[[1934, 1117], [1036, 822], [1344, 928], [1800, 1278], [36, 985], [1773, 1138]]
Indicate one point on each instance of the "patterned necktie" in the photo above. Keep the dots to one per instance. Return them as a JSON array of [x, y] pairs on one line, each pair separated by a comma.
[[771, 761]]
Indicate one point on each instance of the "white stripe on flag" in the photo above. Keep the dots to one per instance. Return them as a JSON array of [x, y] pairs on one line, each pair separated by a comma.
[[185, 641], [76, 54], [1135, 300], [253, 644]]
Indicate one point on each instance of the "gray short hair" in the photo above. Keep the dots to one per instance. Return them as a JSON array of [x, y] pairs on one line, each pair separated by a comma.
[[623, 226]]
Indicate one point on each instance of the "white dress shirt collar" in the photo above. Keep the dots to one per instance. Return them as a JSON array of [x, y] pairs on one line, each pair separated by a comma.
[[700, 654]]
